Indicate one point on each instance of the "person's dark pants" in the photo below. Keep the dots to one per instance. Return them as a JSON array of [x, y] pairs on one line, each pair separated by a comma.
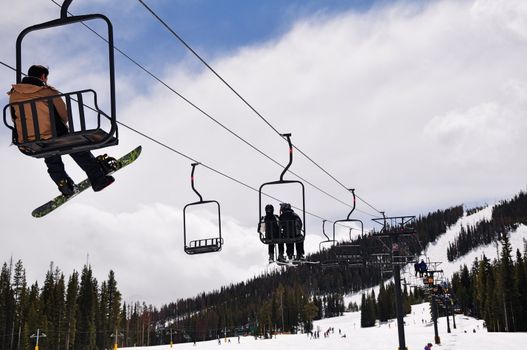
[[86, 162], [299, 248], [280, 249]]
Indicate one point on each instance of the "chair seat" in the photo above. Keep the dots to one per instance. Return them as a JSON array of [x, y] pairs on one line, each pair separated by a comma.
[[70, 143], [207, 245]]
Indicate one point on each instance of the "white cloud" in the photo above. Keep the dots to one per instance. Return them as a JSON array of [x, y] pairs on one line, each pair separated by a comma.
[[417, 106]]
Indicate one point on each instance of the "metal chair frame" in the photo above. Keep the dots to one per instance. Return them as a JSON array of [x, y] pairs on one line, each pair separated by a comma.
[[74, 141], [281, 181], [206, 245]]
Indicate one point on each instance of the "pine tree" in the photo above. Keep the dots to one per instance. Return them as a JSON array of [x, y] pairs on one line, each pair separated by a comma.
[[101, 318], [87, 302], [519, 294], [20, 295], [52, 307], [114, 305], [71, 310], [309, 312], [480, 290], [33, 316], [505, 282], [367, 311], [59, 291], [383, 304], [7, 307]]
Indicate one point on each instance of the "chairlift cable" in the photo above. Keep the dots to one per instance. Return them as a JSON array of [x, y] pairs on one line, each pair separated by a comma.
[[247, 103], [210, 168], [162, 144], [209, 116], [206, 64]]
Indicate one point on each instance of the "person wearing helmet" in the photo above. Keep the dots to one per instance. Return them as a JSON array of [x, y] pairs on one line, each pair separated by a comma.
[[291, 226], [428, 346], [272, 231]]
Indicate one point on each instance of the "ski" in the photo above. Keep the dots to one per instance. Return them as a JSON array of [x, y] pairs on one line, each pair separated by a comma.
[[305, 262], [285, 263], [83, 185], [294, 263]]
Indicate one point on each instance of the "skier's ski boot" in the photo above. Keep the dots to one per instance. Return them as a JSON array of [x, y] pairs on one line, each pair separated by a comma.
[[281, 258], [301, 257], [271, 259]]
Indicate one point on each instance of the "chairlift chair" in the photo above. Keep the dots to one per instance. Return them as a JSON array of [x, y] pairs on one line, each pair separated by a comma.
[[401, 225], [289, 234], [81, 136], [349, 253], [206, 245], [327, 240], [330, 261], [347, 219]]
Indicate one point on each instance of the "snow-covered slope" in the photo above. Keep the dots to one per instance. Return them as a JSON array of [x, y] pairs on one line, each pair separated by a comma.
[[436, 252], [469, 333], [418, 331]]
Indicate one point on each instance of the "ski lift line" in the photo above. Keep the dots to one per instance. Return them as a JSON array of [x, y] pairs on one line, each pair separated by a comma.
[[209, 167], [209, 116], [243, 99], [335, 179], [194, 160], [8, 66], [207, 65]]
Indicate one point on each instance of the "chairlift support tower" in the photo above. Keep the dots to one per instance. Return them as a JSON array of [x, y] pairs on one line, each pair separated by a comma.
[[394, 228]]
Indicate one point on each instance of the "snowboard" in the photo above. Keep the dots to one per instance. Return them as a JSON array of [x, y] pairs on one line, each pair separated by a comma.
[[84, 185]]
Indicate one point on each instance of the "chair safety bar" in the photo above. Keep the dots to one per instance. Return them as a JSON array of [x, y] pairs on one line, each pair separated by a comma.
[[78, 138]]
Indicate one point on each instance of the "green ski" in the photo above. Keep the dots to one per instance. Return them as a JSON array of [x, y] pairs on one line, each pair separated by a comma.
[[83, 185]]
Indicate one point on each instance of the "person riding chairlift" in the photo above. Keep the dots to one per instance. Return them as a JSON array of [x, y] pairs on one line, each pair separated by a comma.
[[291, 226], [33, 86], [272, 231]]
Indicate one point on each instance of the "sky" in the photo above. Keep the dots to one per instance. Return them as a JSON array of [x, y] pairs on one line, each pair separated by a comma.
[[418, 105]]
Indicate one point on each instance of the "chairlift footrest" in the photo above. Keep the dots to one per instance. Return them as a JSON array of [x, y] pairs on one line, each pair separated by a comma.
[[207, 245]]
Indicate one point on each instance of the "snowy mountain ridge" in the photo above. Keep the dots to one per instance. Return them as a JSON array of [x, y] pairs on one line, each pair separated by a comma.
[[437, 251]]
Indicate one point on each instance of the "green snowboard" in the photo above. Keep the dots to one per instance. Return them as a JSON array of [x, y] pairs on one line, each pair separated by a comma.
[[83, 185]]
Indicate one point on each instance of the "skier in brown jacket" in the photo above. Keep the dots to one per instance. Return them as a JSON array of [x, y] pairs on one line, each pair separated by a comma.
[[33, 86]]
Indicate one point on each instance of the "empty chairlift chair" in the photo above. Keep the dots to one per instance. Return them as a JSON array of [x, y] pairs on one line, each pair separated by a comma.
[[202, 245]]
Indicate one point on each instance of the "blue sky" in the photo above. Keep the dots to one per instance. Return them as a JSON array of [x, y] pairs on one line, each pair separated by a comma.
[[231, 23], [212, 28]]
